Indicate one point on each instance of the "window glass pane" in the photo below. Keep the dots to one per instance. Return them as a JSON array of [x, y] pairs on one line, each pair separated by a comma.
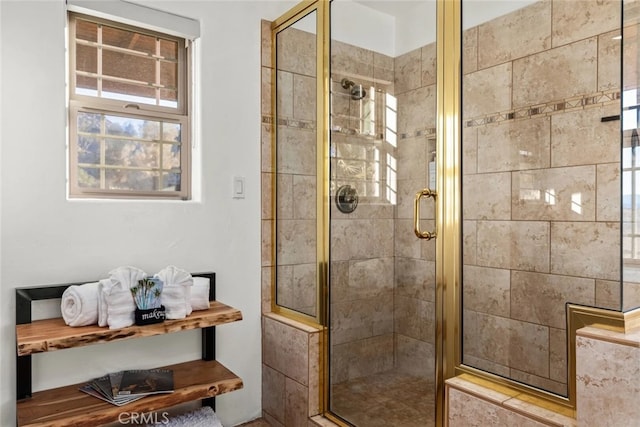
[[86, 31], [132, 127], [88, 150], [169, 49], [122, 179], [171, 181], [168, 98], [131, 153], [89, 122], [86, 58], [169, 74], [171, 132], [130, 67], [89, 178], [86, 86], [128, 92], [128, 40], [170, 156]]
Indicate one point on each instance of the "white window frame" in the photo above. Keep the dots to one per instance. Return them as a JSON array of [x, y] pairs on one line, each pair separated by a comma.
[[84, 103]]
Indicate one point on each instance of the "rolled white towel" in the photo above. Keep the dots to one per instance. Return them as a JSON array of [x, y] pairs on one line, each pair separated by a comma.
[[176, 293], [79, 305], [200, 293], [121, 306], [102, 302]]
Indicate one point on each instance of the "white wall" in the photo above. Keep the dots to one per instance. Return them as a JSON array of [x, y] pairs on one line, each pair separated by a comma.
[[47, 239]]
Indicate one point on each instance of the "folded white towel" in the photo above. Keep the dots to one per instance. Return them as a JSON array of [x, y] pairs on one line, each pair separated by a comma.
[[121, 306], [176, 293], [200, 293], [102, 302], [79, 304]]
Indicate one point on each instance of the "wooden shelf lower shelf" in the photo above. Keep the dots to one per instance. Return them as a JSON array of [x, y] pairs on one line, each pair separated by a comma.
[[53, 334], [65, 406]]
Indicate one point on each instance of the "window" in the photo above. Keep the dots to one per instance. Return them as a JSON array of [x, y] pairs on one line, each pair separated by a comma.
[[129, 120]]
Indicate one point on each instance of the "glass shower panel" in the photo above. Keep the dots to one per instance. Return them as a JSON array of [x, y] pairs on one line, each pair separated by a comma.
[[541, 179], [630, 157], [382, 277], [296, 170]]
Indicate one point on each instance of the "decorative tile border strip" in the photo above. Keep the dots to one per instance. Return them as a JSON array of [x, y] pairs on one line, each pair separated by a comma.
[[291, 123], [553, 107]]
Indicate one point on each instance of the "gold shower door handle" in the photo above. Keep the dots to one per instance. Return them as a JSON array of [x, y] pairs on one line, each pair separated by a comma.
[[427, 235]]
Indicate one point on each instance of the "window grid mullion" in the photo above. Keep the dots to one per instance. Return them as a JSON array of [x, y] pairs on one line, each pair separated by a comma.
[[99, 61], [157, 68], [103, 151]]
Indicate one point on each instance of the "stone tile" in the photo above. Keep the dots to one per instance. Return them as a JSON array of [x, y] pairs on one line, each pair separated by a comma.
[[358, 279], [487, 91], [361, 358], [349, 59], [470, 50], [469, 150], [523, 32], [265, 90], [520, 245], [541, 298], [304, 97], [408, 71], [383, 67], [429, 62], [558, 355], [630, 295], [417, 109], [571, 23], [514, 145], [560, 194], [538, 412], [487, 337], [608, 192], [315, 382], [415, 278], [296, 50], [606, 378], [487, 196], [296, 151], [266, 201], [273, 392], [284, 196], [630, 71], [296, 408], [271, 420], [529, 348], [286, 349], [266, 156], [406, 243], [412, 159], [284, 94], [469, 242], [608, 294], [304, 197], [580, 138], [267, 243], [348, 237], [414, 318], [267, 274], [586, 249], [407, 189], [486, 365], [360, 319], [296, 242], [265, 51], [415, 357], [486, 290], [556, 74], [466, 410], [609, 60]]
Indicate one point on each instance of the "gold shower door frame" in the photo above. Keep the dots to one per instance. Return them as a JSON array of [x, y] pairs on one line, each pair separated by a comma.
[[448, 325]]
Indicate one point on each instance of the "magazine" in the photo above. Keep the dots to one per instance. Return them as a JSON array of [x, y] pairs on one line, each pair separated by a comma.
[[120, 388], [142, 382]]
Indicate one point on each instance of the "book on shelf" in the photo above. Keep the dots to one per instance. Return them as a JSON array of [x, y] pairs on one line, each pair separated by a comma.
[[120, 388]]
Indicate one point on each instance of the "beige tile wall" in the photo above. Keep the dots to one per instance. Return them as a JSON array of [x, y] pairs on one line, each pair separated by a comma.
[[541, 183]]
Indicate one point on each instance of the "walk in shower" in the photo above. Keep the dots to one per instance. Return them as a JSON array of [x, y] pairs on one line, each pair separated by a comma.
[[536, 173]]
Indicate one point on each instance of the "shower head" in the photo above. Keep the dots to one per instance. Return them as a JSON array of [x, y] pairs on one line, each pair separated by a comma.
[[356, 91]]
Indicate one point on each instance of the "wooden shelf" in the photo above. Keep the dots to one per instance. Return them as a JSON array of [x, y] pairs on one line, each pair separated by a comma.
[[53, 334], [65, 406]]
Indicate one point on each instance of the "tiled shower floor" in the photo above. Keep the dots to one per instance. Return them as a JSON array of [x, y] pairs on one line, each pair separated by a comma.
[[386, 399]]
